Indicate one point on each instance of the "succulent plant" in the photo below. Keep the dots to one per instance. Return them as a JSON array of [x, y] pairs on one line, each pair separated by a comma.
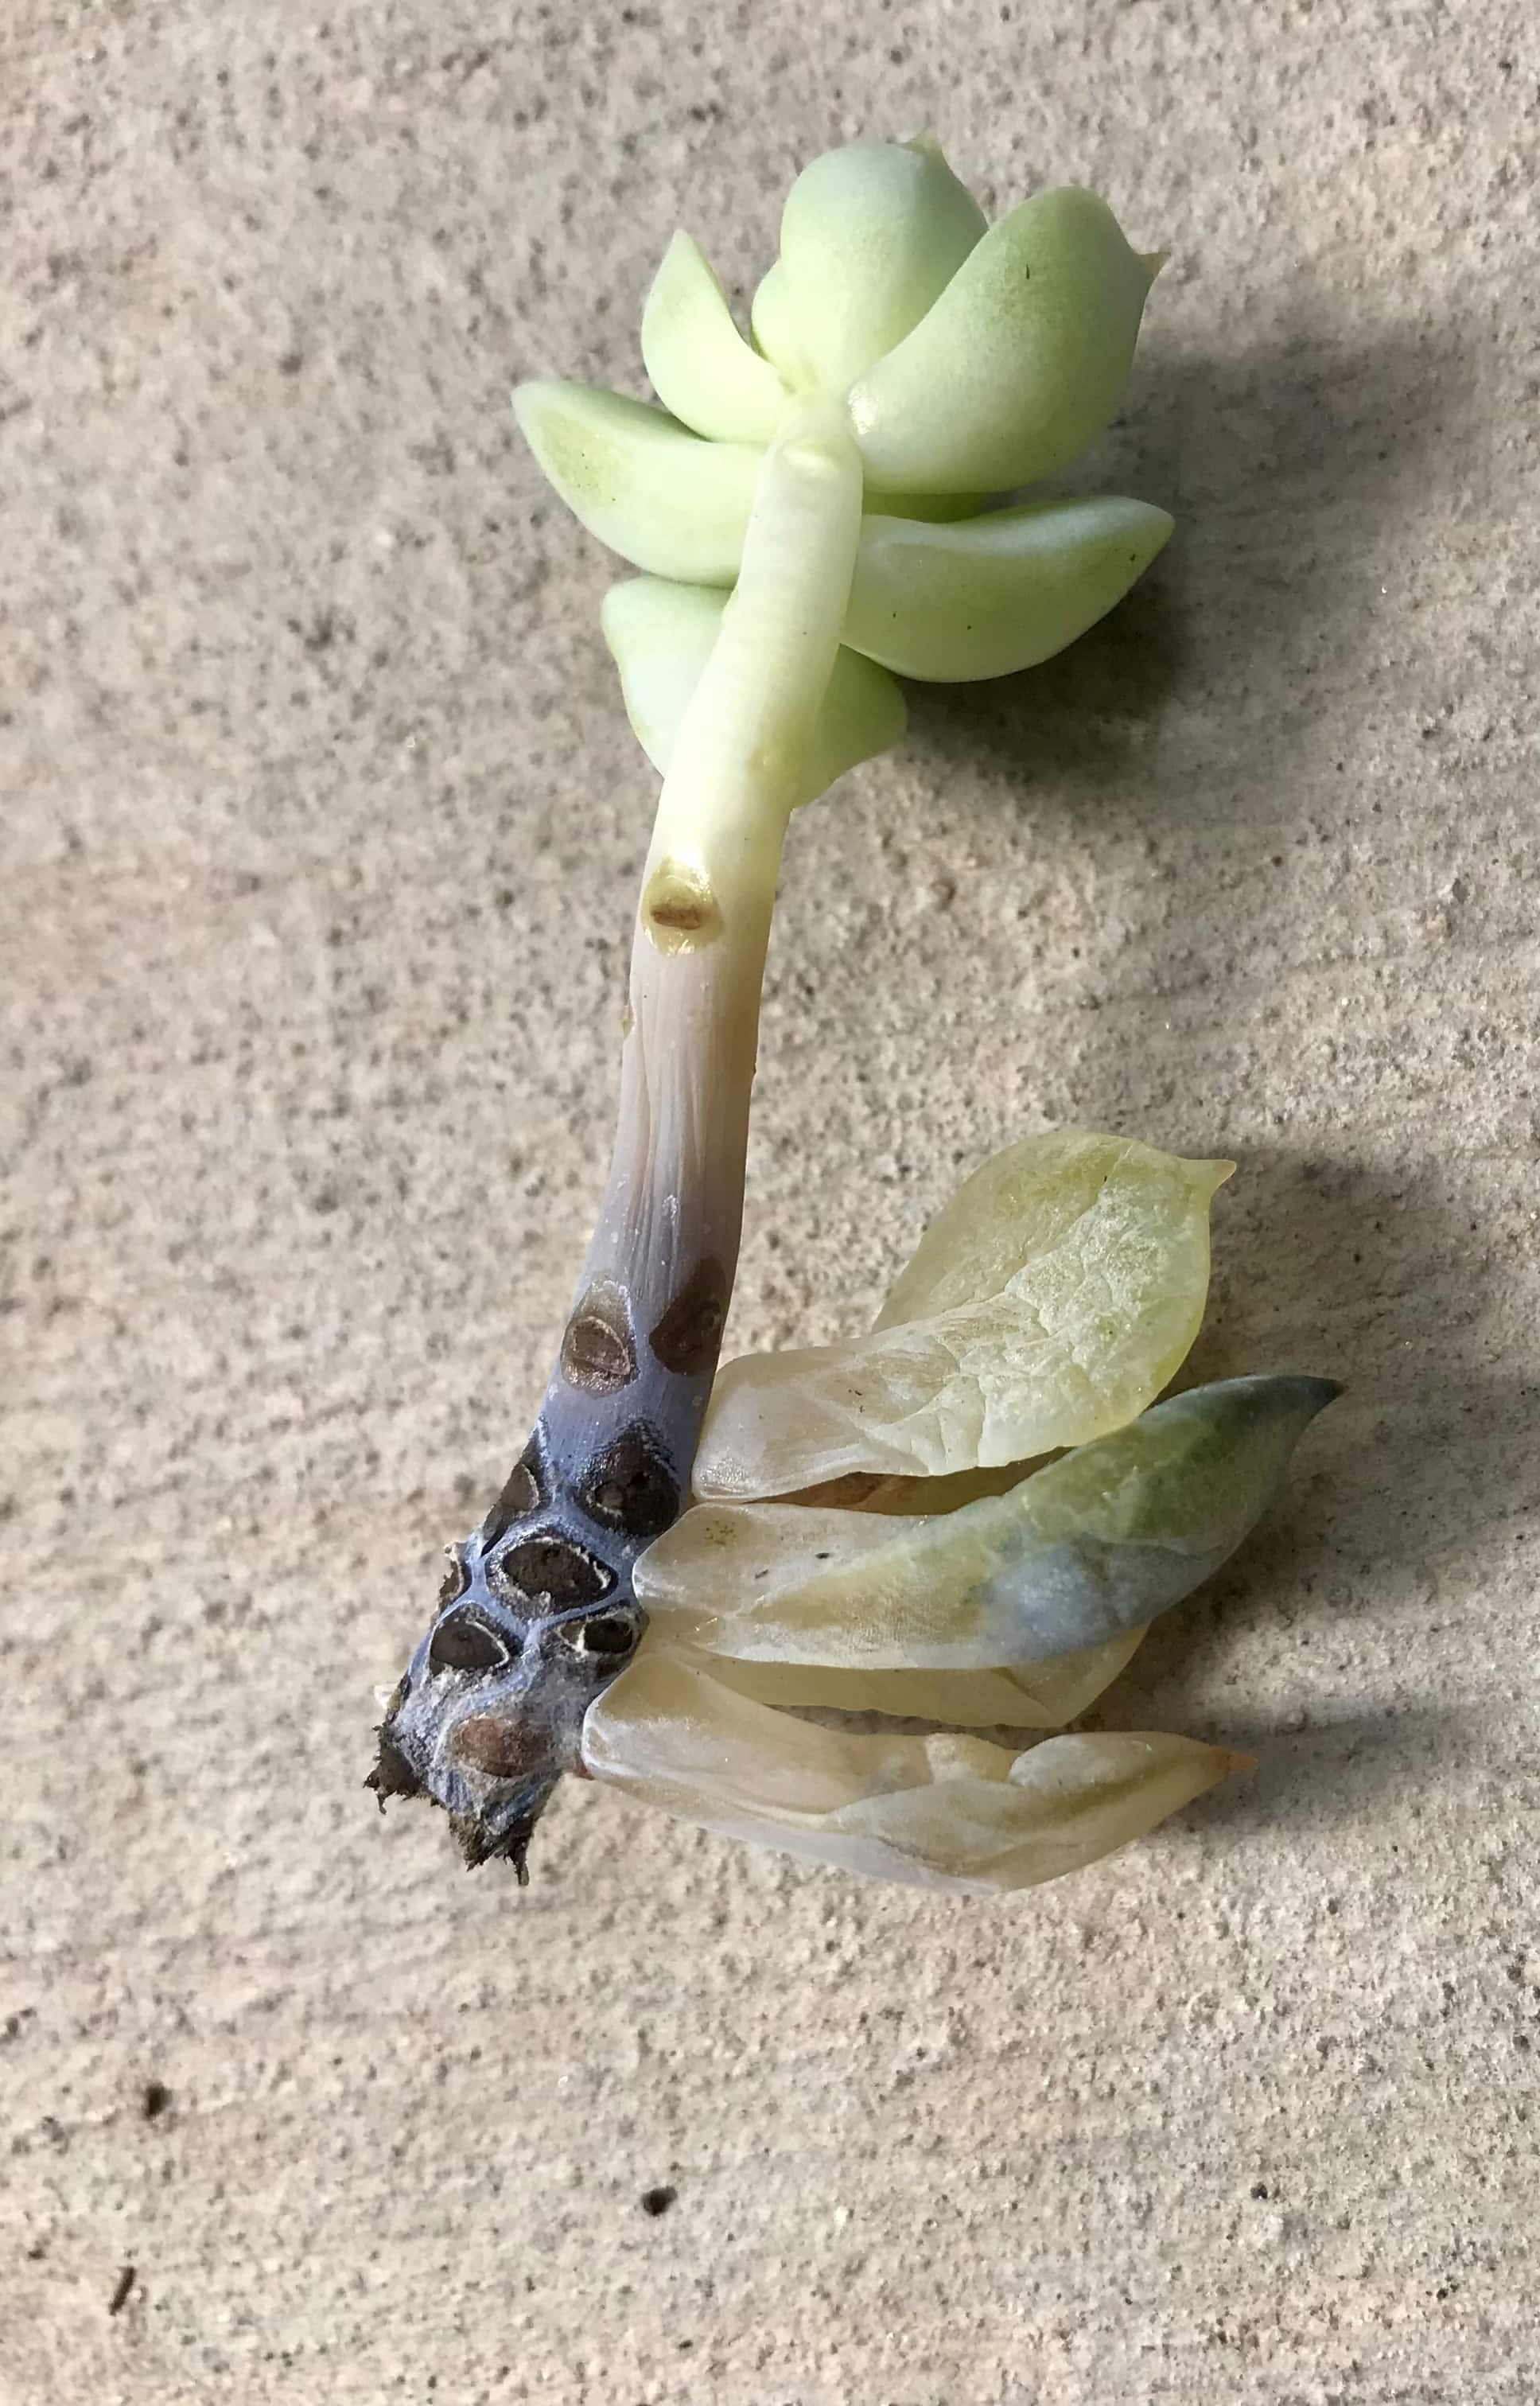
[[968, 1516]]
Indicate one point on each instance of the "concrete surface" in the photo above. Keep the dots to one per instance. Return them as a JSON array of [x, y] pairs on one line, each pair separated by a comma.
[[323, 822]]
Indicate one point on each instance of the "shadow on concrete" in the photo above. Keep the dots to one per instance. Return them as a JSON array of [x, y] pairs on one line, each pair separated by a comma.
[[1270, 461]]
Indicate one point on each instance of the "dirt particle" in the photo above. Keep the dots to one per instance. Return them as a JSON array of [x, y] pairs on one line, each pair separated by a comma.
[[658, 2201]]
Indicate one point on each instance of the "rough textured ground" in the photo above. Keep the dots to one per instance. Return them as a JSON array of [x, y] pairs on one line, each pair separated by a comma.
[[323, 823]]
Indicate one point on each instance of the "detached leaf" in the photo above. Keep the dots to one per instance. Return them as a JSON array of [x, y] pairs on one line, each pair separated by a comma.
[[700, 366], [1050, 1301], [995, 593], [870, 236], [1020, 364], [936, 1812], [658, 495], [1030, 1695], [662, 635], [1082, 1552]]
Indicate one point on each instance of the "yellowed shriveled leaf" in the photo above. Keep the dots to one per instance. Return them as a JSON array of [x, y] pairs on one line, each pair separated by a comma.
[[1054, 1295], [1033, 1695], [939, 1812]]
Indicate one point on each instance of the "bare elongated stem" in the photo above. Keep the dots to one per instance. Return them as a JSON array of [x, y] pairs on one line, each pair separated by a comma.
[[673, 1201], [539, 1611]]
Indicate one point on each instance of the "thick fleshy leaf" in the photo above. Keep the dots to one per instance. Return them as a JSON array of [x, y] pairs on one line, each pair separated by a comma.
[[936, 1812], [773, 327], [996, 593], [1050, 1301], [1083, 1552], [700, 366], [1031, 1696], [1021, 363], [662, 635], [870, 236], [638, 480]]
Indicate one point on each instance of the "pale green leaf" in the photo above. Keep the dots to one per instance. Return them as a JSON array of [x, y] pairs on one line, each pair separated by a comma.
[[774, 330], [1020, 364], [700, 366], [1050, 1301], [662, 635], [638, 480], [870, 236], [993, 594]]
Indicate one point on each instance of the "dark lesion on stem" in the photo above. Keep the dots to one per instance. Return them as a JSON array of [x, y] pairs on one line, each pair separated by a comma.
[[538, 1611]]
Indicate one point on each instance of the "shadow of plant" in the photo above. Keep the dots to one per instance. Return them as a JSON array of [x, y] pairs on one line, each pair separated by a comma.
[[1267, 459]]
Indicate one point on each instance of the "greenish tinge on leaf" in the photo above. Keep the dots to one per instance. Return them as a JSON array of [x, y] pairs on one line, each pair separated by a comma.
[[944, 1811], [1048, 1302], [870, 237], [998, 593], [1082, 1552], [700, 366], [661, 636], [1021, 363], [656, 494]]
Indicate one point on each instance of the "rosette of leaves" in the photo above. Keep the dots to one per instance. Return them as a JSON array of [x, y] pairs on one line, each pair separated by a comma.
[[964, 361]]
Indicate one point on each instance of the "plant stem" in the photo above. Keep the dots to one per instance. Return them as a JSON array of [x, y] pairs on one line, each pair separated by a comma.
[[541, 1612], [674, 1196]]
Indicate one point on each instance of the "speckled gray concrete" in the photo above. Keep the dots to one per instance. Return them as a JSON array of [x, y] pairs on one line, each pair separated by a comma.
[[322, 828]]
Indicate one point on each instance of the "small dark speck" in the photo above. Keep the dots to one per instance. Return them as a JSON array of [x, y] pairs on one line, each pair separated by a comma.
[[658, 2201], [1258, 2189], [822, 1558], [124, 2290], [154, 2101]]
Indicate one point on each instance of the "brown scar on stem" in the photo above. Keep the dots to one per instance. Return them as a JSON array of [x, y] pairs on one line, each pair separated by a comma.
[[554, 1566], [686, 1337], [503, 1750], [597, 1351], [520, 1496], [630, 1487], [678, 910], [464, 1643]]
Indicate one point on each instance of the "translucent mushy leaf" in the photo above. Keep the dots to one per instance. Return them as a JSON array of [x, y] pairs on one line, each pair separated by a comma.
[[870, 236], [1029, 1695], [661, 634], [1020, 364], [1048, 1302], [937, 1812], [700, 366], [640, 482], [990, 595], [1091, 1547]]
